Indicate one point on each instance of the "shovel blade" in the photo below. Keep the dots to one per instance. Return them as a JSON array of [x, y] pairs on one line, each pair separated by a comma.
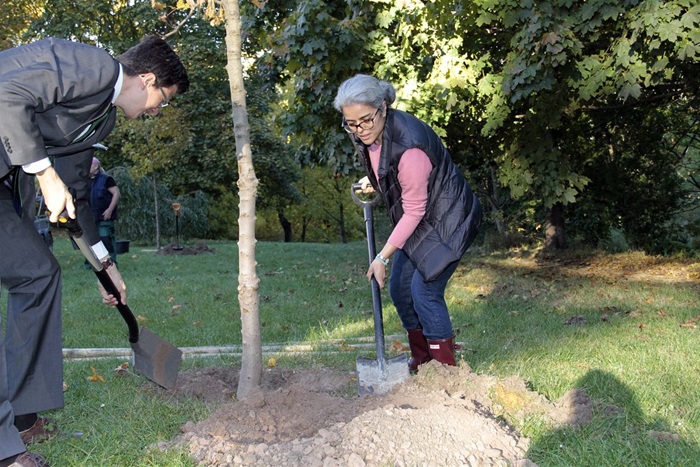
[[156, 359], [378, 378]]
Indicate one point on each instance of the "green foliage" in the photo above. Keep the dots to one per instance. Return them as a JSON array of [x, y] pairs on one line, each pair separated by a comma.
[[15, 18], [313, 41], [113, 25], [137, 210], [223, 216], [529, 97], [326, 213]]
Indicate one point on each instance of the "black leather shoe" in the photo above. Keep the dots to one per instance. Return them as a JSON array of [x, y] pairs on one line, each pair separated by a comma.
[[42, 430], [30, 459]]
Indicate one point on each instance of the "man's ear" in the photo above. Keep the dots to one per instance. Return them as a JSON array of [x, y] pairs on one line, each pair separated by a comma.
[[148, 78]]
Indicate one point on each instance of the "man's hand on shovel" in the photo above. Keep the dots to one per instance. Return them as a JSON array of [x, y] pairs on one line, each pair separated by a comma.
[[70, 223], [115, 275], [56, 195]]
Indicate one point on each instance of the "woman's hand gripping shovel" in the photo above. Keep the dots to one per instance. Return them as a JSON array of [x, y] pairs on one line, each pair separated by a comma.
[[153, 357], [381, 375]]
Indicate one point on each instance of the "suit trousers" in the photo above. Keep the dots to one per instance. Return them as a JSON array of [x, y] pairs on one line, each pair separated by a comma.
[[31, 363]]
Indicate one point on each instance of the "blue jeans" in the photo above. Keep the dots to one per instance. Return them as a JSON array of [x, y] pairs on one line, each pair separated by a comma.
[[419, 303]]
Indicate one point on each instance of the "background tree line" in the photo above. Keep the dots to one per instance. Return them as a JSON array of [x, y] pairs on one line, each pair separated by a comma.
[[574, 121]]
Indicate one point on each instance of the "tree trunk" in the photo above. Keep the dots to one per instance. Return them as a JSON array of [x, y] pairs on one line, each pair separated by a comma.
[[155, 210], [286, 226], [304, 225], [341, 221], [555, 235], [494, 201], [248, 282]]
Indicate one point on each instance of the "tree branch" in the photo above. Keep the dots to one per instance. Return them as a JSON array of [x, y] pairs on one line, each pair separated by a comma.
[[177, 27]]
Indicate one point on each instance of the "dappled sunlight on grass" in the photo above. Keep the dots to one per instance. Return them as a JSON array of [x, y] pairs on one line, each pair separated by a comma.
[[353, 327], [346, 330]]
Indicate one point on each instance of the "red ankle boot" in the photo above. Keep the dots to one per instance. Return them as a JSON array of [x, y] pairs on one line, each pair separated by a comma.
[[419, 349], [443, 350]]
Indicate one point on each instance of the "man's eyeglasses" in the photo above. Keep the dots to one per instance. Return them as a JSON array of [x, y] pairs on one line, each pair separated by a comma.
[[363, 125], [166, 101]]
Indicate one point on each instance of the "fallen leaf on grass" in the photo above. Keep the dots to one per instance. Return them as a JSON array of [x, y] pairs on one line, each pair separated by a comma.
[[95, 378], [691, 323], [397, 346], [123, 369], [271, 362], [142, 320]]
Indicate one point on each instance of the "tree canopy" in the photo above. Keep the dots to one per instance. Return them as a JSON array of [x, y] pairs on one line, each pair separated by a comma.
[[589, 108]]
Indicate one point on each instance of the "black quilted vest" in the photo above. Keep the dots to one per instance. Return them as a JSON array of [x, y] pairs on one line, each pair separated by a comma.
[[453, 213]]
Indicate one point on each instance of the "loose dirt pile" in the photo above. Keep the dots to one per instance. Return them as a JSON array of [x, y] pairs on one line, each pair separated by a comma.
[[444, 416]]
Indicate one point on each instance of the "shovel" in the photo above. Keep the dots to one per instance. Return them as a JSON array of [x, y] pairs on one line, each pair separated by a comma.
[[381, 375], [153, 357]]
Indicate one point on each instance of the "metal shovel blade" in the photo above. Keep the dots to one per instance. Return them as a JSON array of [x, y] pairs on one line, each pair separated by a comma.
[[156, 358], [379, 377]]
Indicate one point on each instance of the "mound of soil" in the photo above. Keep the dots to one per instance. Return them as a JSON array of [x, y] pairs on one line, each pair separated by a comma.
[[441, 416]]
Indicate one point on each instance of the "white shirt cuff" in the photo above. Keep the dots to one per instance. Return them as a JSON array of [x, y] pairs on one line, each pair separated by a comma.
[[38, 166]]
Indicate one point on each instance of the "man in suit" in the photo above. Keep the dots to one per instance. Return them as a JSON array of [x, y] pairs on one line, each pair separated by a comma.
[[58, 99]]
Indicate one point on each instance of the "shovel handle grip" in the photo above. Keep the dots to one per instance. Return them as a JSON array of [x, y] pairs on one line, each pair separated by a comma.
[[358, 187]]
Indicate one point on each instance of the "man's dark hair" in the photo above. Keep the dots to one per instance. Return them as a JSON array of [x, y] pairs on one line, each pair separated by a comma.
[[154, 55]]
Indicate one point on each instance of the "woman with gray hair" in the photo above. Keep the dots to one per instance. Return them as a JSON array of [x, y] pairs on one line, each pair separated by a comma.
[[433, 210]]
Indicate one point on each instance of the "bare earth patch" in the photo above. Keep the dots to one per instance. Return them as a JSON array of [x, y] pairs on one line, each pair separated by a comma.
[[444, 416], [174, 249]]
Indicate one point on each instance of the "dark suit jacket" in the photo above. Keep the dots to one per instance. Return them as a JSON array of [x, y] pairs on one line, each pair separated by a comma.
[[50, 91]]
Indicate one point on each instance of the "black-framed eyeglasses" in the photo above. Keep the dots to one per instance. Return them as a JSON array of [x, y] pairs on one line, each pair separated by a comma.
[[363, 125], [166, 100]]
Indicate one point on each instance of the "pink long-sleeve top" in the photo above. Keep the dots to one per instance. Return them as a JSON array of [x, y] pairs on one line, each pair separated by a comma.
[[413, 173]]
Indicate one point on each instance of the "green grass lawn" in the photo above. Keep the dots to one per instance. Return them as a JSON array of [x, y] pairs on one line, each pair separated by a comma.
[[622, 327]]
